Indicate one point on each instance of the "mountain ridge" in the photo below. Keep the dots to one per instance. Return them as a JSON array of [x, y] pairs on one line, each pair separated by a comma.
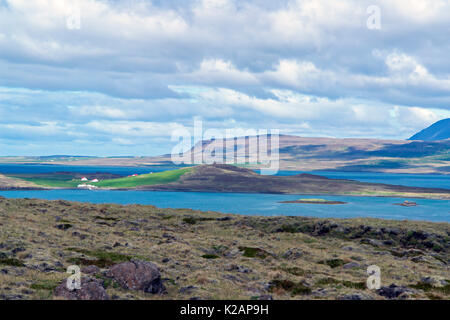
[[439, 130]]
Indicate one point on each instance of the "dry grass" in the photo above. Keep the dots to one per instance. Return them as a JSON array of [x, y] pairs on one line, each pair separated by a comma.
[[29, 234]]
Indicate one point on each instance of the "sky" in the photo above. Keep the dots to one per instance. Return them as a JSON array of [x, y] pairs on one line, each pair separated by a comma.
[[104, 78]]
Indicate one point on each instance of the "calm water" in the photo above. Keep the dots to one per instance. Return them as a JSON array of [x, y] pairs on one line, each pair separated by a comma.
[[253, 204], [42, 168], [412, 180], [256, 204]]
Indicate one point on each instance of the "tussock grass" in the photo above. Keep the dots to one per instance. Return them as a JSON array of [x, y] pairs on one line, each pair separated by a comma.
[[178, 249]]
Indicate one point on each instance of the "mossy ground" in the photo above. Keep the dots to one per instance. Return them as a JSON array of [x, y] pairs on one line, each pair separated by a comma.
[[203, 255]]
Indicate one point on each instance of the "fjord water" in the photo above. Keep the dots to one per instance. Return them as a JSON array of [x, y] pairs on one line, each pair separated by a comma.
[[413, 180], [403, 179], [254, 204], [49, 168]]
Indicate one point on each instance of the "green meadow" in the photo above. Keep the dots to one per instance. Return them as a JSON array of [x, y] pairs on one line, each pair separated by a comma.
[[67, 181], [54, 181], [144, 179]]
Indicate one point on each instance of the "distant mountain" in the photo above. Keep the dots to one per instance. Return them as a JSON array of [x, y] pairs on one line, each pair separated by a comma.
[[437, 131], [298, 154]]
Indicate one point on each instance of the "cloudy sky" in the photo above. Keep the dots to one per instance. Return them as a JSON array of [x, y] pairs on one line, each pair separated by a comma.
[[93, 77]]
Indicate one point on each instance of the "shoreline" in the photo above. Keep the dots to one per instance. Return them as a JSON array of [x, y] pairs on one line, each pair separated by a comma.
[[249, 213], [229, 192], [218, 178], [297, 169]]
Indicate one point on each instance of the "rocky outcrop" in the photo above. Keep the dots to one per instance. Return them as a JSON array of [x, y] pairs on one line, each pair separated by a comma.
[[91, 289], [90, 270], [137, 275], [292, 254], [133, 275], [394, 292]]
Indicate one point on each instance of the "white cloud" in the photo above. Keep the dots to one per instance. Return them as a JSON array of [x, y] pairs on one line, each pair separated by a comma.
[[132, 128], [98, 111], [137, 69], [218, 70], [298, 74]]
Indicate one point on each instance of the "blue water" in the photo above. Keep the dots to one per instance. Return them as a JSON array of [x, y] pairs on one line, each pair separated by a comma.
[[252, 204], [411, 180], [256, 204], [43, 168]]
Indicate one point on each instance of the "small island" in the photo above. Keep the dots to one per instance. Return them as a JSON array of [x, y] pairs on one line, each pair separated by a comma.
[[314, 201], [406, 203]]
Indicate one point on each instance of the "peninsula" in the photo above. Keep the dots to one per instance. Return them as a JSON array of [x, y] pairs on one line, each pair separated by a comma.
[[224, 178]]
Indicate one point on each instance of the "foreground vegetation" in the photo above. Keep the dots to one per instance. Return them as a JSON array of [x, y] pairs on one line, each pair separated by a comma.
[[208, 255]]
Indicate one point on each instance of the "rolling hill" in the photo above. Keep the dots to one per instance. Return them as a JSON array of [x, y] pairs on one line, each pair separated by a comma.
[[438, 131], [304, 154], [228, 178]]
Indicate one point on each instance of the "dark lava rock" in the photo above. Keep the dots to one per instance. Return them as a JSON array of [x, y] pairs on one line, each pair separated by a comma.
[[292, 254], [234, 267], [90, 270], [355, 296], [79, 235], [26, 291], [137, 275], [17, 250], [169, 237], [91, 289], [324, 228], [224, 219], [351, 265], [418, 235], [45, 267], [434, 281], [64, 226], [393, 291], [11, 297], [187, 290], [372, 242]]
